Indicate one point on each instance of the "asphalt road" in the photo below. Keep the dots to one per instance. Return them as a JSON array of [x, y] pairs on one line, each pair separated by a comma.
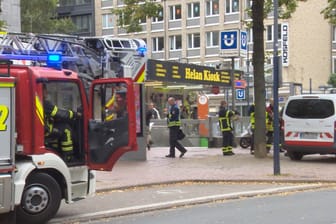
[[158, 197], [310, 207]]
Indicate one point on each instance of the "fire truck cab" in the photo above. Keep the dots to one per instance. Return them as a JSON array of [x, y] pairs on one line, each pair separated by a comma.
[[33, 176]]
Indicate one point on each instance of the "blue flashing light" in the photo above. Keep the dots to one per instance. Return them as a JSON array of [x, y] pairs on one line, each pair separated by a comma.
[[142, 51], [54, 61], [54, 58]]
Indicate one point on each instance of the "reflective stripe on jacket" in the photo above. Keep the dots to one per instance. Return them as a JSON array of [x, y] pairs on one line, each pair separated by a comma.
[[174, 116], [225, 121]]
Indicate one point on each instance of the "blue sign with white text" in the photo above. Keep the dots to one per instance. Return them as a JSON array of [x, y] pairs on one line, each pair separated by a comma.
[[243, 40], [240, 94], [229, 40]]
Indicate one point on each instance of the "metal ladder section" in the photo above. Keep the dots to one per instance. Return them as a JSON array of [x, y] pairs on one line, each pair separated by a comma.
[[76, 55]]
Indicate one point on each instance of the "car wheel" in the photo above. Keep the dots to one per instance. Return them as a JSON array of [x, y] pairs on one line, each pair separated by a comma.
[[295, 155], [40, 200]]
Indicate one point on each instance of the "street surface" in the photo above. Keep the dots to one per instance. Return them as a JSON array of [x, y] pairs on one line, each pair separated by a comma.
[[145, 199], [202, 176], [309, 207]]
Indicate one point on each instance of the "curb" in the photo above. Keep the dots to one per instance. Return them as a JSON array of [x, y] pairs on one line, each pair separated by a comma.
[[153, 184]]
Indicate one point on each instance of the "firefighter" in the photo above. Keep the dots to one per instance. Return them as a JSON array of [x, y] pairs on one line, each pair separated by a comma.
[[252, 123], [58, 132], [225, 116], [174, 123], [269, 131]]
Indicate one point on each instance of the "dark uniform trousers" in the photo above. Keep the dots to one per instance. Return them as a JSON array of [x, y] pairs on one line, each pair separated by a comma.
[[173, 141]]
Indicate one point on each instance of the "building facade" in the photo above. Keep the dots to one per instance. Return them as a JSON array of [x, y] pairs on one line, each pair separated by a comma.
[[82, 14], [189, 31], [11, 14]]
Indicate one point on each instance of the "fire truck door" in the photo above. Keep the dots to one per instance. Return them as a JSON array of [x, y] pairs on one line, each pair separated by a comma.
[[112, 128], [7, 139]]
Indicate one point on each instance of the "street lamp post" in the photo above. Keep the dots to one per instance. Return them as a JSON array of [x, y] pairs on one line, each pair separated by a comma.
[[276, 133]]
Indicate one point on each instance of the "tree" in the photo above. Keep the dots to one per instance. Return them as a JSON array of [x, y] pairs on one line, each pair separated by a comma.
[[332, 80], [39, 16], [135, 11], [330, 11], [260, 8]]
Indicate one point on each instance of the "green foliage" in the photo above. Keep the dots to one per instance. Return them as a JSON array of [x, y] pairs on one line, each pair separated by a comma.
[[39, 16], [285, 9], [332, 80], [135, 11], [2, 25], [330, 11]]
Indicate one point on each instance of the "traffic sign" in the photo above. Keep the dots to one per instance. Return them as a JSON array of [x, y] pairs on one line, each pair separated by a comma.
[[240, 94], [243, 43], [229, 40], [233, 43], [240, 84]]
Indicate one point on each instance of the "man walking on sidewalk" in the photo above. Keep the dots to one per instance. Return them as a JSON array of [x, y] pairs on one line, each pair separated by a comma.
[[174, 123]]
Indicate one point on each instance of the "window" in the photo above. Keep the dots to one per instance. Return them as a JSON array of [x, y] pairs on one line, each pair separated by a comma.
[[334, 65], [249, 35], [193, 10], [248, 4], [212, 7], [158, 44], [175, 12], [334, 34], [83, 23], [160, 17], [212, 38], [194, 40], [107, 21], [175, 42], [232, 6], [269, 32], [310, 108]]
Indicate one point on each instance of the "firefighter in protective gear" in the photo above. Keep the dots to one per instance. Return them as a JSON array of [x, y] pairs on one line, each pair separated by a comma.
[[174, 123], [225, 117], [269, 131], [252, 122], [58, 133]]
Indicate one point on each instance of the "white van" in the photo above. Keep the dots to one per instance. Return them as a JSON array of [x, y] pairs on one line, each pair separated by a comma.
[[309, 125]]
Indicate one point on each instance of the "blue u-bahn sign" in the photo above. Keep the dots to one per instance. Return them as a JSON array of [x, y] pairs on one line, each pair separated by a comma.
[[233, 43]]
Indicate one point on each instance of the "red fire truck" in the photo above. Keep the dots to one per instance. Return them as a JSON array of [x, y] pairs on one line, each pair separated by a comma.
[[33, 176]]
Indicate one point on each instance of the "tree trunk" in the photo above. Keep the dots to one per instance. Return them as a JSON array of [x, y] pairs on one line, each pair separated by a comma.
[[259, 78]]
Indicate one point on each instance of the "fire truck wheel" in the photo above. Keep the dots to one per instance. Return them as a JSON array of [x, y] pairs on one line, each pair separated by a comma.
[[40, 200]]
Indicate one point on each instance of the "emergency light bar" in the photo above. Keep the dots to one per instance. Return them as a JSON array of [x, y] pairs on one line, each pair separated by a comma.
[[142, 51], [54, 61]]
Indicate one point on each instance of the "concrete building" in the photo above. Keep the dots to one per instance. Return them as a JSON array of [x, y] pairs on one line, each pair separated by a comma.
[[82, 14], [10, 13], [189, 31]]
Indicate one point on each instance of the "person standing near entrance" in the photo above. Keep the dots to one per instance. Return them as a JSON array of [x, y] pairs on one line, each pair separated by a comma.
[[225, 117], [174, 123]]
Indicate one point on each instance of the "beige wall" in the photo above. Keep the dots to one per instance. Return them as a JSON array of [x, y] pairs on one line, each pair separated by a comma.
[[310, 46]]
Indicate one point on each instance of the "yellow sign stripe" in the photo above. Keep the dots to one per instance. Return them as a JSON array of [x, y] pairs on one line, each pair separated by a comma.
[[39, 109], [6, 84]]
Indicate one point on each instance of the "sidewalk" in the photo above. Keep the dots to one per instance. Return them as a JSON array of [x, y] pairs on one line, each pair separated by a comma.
[[203, 164]]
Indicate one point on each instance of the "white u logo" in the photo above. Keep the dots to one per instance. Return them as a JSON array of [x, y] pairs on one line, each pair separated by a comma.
[[229, 41]]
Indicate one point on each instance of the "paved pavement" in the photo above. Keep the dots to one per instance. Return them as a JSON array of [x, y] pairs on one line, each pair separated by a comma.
[[208, 164]]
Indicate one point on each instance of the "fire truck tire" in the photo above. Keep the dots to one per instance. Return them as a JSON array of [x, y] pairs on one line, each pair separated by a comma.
[[40, 201]]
